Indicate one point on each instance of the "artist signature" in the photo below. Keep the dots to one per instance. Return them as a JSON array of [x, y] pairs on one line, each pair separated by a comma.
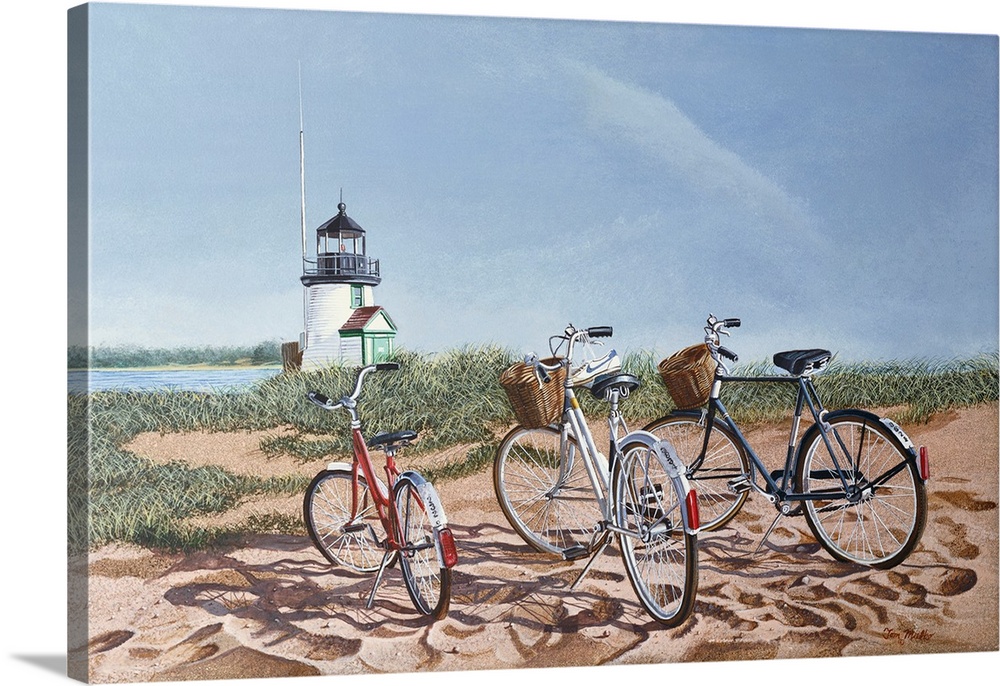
[[906, 635]]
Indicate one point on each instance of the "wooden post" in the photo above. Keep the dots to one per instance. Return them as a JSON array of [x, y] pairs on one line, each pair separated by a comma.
[[291, 356]]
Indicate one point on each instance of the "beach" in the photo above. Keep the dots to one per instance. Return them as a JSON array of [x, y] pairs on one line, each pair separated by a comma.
[[272, 606]]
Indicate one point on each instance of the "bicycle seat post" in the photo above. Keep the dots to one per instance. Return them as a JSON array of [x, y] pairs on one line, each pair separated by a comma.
[[615, 421]]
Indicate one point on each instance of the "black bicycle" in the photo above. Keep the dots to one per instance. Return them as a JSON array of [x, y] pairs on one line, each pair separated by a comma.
[[856, 477]]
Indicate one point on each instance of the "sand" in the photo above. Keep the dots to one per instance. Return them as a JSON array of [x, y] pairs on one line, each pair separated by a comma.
[[272, 606]]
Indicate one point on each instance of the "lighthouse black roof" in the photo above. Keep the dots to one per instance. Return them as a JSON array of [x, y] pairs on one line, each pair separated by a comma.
[[340, 223]]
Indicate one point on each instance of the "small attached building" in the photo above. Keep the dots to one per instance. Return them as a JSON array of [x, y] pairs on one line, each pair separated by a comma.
[[367, 335]]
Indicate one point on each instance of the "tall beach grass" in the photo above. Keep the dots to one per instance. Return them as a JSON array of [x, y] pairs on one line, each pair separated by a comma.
[[453, 398]]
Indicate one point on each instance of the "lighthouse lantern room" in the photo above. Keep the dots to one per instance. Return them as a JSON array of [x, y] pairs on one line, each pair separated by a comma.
[[343, 325]]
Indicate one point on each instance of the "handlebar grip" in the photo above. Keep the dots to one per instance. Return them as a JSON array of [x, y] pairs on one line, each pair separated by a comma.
[[727, 353], [599, 331], [732, 323], [318, 398], [544, 374], [387, 366]]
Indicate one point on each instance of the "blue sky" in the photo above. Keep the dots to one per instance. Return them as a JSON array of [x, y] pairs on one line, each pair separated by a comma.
[[833, 188]]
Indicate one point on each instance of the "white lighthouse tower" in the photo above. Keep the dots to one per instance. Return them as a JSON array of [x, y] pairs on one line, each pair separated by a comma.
[[343, 325]]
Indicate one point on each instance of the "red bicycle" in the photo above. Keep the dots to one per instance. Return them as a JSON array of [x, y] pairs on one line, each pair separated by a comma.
[[345, 502]]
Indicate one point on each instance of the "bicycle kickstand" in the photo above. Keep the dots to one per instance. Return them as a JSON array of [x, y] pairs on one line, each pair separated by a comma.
[[605, 542], [768, 532], [378, 577]]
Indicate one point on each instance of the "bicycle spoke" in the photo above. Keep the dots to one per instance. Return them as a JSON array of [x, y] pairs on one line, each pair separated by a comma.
[[884, 517], [546, 495], [722, 463], [327, 511], [660, 557]]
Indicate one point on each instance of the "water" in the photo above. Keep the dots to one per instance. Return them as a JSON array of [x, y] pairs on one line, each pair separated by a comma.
[[202, 380]]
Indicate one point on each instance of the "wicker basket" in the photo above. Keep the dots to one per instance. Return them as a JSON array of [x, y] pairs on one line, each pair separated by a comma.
[[688, 375], [535, 404]]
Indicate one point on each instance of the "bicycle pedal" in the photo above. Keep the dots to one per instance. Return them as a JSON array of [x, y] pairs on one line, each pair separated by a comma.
[[739, 485], [355, 528], [575, 552]]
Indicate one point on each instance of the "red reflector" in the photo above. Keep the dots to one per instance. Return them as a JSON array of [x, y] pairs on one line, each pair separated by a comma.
[[448, 551], [925, 463], [691, 502]]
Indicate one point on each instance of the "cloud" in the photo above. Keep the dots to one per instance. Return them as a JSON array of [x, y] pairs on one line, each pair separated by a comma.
[[662, 132]]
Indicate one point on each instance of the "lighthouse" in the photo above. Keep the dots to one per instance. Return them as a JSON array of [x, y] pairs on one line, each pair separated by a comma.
[[343, 325]]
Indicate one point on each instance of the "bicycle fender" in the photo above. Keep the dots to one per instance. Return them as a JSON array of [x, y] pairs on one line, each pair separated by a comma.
[[893, 427], [666, 454], [435, 510], [664, 451], [898, 432]]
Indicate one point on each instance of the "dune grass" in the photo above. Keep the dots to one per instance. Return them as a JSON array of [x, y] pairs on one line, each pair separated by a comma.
[[451, 398]]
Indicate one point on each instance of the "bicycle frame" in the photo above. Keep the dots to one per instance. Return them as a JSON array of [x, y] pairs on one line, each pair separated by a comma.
[[807, 396], [384, 505], [599, 467]]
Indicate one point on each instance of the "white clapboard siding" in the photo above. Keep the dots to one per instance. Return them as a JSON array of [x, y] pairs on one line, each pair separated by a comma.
[[350, 351], [328, 306]]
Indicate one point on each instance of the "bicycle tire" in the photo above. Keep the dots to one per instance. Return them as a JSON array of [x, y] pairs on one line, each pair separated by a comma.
[[552, 509], [327, 510], [724, 460], [885, 525], [662, 563], [427, 580]]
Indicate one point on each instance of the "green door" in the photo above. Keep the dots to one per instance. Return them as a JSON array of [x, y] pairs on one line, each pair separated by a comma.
[[382, 349]]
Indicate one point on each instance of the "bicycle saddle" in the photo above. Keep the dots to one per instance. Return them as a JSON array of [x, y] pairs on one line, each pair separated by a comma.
[[802, 362], [625, 383], [391, 438]]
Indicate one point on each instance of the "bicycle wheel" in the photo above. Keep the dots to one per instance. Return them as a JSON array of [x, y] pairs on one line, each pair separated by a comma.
[[724, 461], [545, 492], [428, 581], [327, 514], [881, 520], [661, 558]]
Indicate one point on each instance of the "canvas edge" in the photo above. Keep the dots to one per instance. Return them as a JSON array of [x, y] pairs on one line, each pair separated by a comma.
[[78, 191]]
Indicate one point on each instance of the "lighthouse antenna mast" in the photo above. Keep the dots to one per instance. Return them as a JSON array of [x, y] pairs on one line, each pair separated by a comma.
[[302, 186], [302, 169]]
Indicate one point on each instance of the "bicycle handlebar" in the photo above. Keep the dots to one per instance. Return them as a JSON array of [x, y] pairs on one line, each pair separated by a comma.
[[541, 368], [319, 399], [571, 335], [713, 329], [348, 401], [728, 354]]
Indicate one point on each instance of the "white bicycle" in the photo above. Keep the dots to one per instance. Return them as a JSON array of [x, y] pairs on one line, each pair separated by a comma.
[[564, 497]]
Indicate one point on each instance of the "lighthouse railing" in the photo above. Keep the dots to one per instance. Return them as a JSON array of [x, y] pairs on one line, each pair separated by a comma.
[[342, 264]]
